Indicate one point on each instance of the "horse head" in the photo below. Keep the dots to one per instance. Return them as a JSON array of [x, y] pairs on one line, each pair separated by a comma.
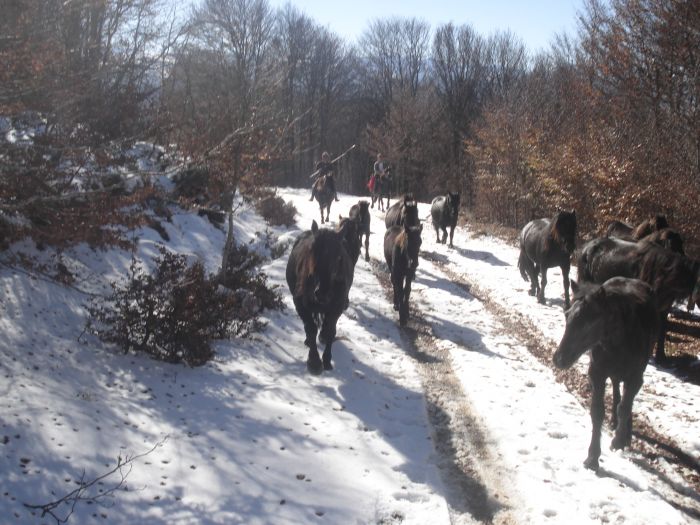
[[564, 230], [584, 323], [412, 235], [409, 211], [660, 221], [349, 230], [452, 202]]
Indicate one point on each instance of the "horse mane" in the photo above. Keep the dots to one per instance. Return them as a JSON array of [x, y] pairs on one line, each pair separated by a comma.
[[554, 234], [555, 229], [306, 266], [402, 240]]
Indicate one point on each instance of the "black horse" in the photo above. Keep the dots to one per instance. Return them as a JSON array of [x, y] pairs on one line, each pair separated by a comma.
[[545, 243], [349, 231], [618, 322], [360, 213], [319, 276], [401, 247], [402, 212], [444, 210], [672, 276], [323, 192]]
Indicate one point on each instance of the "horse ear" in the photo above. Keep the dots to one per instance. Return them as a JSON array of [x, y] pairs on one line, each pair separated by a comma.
[[314, 227], [574, 287]]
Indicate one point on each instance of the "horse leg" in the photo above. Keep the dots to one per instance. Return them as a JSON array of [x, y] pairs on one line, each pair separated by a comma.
[[452, 234], [444, 235], [313, 361], [615, 403], [565, 275], [661, 340], [396, 284], [540, 295], [367, 247], [403, 312], [597, 380], [328, 336], [623, 432], [528, 270]]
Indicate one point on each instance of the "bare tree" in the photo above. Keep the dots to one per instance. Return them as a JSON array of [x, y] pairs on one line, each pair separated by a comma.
[[459, 70], [395, 55]]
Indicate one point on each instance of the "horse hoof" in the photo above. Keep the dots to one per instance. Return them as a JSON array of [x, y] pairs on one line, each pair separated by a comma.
[[314, 367], [591, 464], [541, 300], [620, 442], [531, 293], [327, 366]]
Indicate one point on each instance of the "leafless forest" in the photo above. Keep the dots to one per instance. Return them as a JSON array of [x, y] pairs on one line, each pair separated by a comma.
[[607, 121]]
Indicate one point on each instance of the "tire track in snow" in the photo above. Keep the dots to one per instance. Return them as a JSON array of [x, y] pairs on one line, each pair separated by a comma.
[[651, 451], [471, 473]]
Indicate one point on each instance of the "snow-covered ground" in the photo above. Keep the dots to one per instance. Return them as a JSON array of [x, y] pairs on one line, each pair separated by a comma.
[[253, 438]]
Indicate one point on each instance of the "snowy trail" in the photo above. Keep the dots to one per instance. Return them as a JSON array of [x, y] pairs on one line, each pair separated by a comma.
[[541, 434], [451, 420]]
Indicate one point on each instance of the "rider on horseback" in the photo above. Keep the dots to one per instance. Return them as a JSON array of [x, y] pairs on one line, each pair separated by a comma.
[[324, 167]]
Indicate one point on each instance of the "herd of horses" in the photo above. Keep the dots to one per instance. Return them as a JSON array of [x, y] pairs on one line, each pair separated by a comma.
[[628, 280], [321, 265]]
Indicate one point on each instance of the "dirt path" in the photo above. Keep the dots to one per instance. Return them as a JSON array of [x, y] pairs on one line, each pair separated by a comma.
[[472, 474]]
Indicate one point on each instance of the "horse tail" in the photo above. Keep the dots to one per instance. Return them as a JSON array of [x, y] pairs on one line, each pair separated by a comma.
[[522, 262]]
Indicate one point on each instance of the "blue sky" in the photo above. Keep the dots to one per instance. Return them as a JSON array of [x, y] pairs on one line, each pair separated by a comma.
[[535, 21]]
